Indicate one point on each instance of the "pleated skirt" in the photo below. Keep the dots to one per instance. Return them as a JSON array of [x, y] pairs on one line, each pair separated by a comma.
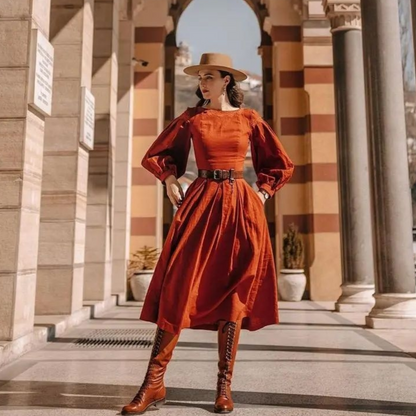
[[217, 262]]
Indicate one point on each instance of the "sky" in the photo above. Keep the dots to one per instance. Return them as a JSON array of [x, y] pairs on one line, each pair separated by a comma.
[[225, 26]]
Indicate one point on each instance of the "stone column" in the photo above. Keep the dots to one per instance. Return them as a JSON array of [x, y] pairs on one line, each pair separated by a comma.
[[65, 169], [21, 155], [99, 239], [122, 200], [354, 187], [391, 201]]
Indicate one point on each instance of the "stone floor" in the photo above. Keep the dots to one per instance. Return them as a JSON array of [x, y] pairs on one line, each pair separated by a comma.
[[315, 363]]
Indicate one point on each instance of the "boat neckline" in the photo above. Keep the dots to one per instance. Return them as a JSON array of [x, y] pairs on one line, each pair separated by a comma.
[[222, 111]]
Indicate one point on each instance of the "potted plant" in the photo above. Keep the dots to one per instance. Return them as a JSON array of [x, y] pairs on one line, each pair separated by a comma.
[[140, 271], [292, 279]]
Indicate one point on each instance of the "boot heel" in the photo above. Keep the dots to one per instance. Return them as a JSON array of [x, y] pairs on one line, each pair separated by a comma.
[[160, 403]]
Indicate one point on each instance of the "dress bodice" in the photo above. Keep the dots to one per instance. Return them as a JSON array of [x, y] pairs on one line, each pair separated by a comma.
[[221, 140]]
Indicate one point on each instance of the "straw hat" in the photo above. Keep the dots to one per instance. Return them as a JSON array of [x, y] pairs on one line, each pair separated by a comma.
[[217, 61]]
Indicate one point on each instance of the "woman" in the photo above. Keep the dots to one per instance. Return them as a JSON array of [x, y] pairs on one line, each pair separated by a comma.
[[216, 270]]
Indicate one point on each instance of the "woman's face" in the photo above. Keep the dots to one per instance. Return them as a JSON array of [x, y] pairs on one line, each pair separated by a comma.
[[211, 84]]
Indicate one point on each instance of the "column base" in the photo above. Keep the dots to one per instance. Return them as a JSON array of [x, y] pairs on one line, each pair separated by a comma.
[[393, 310], [12, 350], [99, 307], [355, 298], [386, 323]]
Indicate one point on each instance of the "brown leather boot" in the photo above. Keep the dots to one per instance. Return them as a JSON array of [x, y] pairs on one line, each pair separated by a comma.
[[153, 391], [228, 336]]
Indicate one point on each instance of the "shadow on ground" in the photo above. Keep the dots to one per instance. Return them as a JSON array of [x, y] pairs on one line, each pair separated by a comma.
[[113, 397]]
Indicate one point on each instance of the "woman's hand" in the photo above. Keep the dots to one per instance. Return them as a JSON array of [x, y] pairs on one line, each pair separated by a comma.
[[261, 196], [174, 191]]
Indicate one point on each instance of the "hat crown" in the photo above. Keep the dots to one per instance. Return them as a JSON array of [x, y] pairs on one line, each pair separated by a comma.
[[219, 59]]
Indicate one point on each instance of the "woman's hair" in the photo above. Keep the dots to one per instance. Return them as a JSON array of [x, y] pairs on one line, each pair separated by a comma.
[[234, 92]]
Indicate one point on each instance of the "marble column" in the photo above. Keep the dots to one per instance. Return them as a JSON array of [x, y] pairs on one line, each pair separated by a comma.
[[21, 158], [100, 215], [65, 169], [352, 150], [395, 294], [122, 200]]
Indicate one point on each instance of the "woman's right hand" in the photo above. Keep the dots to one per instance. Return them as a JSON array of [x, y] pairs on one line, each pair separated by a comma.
[[261, 196], [174, 190]]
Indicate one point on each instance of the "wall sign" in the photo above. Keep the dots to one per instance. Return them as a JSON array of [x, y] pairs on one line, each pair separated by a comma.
[[87, 118], [41, 76]]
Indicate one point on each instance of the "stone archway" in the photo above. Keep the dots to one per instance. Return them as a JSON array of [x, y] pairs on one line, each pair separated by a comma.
[[298, 103]]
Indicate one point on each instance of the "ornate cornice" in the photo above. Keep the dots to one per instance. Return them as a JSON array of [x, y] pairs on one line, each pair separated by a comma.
[[343, 14], [136, 7], [170, 25], [299, 6], [125, 10]]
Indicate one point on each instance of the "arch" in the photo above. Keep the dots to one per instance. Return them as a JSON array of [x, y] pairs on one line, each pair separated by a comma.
[[265, 47], [259, 9]]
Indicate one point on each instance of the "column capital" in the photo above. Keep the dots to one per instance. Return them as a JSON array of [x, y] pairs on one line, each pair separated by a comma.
[[125, 10], [299, 6], [136, 7], [343, 14]]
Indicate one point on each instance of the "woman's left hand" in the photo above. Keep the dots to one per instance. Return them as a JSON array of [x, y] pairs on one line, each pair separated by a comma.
[[261, 196]]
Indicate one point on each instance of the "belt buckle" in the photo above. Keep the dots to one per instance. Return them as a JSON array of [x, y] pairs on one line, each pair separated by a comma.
[[231, 178], [215, 174]]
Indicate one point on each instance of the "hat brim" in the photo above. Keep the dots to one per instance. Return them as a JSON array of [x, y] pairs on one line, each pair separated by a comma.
[[194, 69]]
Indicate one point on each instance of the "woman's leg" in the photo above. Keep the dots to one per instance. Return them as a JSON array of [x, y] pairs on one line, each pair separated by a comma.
[[228, 337], [153, 391]]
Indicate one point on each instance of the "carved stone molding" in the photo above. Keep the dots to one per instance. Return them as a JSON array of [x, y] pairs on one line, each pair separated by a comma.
[[170, 25], [136, 8], [300, 6], [125, 10], [343, 14]]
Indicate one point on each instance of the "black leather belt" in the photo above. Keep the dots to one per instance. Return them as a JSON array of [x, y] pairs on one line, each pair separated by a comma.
[[220, 174]]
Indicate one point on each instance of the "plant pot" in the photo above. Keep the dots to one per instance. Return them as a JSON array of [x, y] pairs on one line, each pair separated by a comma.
[[291, 284], [139, 284]]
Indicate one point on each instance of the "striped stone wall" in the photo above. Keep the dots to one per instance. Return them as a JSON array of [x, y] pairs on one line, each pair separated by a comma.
[[321, 222], [289, 116], [304, 119], [266, 52], [146, 195], [169, 115]]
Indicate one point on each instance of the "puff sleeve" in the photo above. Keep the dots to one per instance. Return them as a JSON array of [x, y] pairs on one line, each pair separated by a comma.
[[270, 161], [168, 154]]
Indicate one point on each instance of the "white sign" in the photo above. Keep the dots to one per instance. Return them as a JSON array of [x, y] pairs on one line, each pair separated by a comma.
[[87, 118], [41, 77]]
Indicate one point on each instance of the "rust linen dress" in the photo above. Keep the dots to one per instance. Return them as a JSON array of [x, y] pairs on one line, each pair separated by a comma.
[[217, 261]]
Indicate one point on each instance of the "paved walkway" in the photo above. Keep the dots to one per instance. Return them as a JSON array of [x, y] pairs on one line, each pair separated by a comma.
[[315, 363]]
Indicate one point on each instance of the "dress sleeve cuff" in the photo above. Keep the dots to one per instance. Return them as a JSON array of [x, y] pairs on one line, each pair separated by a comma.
[[164, 175], [267, 188]]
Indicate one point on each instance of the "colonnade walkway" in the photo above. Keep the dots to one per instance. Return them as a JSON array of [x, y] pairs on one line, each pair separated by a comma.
[[316, 363]]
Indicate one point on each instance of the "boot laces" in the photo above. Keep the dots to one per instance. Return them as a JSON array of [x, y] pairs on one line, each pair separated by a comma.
[[155, 351], [146, 383], [223, 380], [222, 384]]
